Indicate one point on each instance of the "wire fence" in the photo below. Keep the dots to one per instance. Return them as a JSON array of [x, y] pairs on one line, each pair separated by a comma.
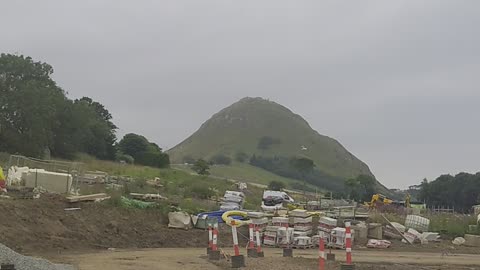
[[71, 169]]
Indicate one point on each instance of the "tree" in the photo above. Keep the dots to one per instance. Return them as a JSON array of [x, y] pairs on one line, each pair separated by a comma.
[[201, 167], [361, 187], [221, 159], [29, 101], [241, 156], [276, 185], [133, 144], [265, 142], [37, 117], [352, 189], [143, 151], [302, 164]]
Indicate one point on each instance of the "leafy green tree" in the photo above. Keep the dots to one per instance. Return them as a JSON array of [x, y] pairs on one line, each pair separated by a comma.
[[36, 117], [29, 100], [201, 167], [276, 185], [143, 151], [132, 144]]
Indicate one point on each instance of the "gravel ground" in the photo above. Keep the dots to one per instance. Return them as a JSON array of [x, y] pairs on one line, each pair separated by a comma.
[[8, 256]]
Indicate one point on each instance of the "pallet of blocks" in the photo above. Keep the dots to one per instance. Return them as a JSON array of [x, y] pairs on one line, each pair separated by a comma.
[[260, 224], [327, 224], [285, 236], [302, 242], [280, 221], [270, 236], [303, 225]]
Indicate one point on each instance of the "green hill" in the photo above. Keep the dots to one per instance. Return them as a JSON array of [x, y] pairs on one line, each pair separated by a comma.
[[255, 126]]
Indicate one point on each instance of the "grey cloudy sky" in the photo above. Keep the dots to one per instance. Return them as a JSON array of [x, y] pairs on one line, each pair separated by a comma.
[[396, 82]]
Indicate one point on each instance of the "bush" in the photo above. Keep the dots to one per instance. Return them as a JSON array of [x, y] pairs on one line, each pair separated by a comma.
[[123, 157], [201, 167], [276, 185], [221, 160], [241, 157], [153, 159], [201, 191]]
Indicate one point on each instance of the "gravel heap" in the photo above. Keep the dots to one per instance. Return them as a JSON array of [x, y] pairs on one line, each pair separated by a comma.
[[8, 256]]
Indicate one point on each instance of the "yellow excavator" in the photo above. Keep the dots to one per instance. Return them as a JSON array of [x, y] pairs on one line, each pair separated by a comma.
[[378, 199], [382, 200]]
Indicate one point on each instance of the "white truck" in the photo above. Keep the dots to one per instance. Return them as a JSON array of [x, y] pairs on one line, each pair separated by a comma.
[[273, 200]]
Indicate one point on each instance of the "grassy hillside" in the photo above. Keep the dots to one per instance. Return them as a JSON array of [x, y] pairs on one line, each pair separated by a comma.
[[241, 126], [250, 174], [181, 186]]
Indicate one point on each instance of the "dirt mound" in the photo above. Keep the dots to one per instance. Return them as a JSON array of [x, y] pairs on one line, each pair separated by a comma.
[[43, 225]]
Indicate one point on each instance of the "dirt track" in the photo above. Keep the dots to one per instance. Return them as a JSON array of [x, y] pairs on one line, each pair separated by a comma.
[[194, 259]]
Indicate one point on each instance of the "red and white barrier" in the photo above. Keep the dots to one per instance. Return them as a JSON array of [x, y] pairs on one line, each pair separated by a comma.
[[215, 237], [235, 239], [210, 236], [348, 242], [287, 237], [259, 241], [321, 252], [251, 243]]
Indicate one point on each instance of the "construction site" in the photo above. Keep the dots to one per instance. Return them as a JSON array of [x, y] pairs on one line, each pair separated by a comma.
[[47, 223]]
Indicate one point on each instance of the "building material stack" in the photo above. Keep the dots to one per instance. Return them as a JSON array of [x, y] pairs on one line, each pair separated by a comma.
[[285, 237], [232, 200], [302, 223], [259, 221], [270, 236], [326, 224]]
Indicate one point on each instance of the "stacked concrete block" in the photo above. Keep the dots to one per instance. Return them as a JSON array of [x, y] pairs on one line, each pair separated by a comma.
[[285, 236], [50, 181], [326, 224], [280, 221], [303, 225], [270, 236]]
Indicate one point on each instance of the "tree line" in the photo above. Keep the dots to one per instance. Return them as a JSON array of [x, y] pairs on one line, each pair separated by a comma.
[[461, 191], [37, 118]]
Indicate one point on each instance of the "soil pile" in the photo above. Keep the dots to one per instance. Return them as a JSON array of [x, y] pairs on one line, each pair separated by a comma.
[[43, 225]]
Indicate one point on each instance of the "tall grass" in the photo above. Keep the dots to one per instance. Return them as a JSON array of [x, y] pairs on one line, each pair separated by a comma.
[[447, 224]]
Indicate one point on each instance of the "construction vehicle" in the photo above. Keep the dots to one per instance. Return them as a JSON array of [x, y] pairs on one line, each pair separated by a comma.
[[377, 200], [381, 201]]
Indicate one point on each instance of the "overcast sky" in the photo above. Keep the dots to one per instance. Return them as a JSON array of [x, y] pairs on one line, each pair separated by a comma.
[[396, 82]]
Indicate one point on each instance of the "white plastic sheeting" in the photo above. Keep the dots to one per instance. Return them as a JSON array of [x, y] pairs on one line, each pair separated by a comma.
[[179, 220], [232, 200], [15, 175]]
